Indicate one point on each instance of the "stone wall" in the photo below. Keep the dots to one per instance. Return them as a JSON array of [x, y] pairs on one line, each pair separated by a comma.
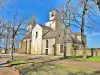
[[88, 52], [21, 48], [36, 40], [51, 43]]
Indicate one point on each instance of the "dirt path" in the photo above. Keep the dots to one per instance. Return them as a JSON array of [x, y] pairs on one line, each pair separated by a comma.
[[7, 71], [4, 70], [54, 59], [51, 59]]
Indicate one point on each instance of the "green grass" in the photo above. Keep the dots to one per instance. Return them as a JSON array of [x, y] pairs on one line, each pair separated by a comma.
[[3, 53], [94, 58], [18, 62], [29, 67], [74, 57], [80, 58], [54, 69]]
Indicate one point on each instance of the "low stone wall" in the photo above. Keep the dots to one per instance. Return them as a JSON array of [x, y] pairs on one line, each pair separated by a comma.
[[88, 52]]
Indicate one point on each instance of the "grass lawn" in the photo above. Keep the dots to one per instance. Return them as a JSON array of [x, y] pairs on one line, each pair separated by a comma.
[[4, 53], [80, 58], [18, 62], [94, 58], [29, 67]]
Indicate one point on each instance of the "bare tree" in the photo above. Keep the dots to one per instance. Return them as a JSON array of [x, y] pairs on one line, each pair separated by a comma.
[[12, 30], [2, 3], [78, 17], [7, 35], [1, 21], [98, 3], [65, 19], [16, 28], [1, 27], [5, 30], [75, 42]]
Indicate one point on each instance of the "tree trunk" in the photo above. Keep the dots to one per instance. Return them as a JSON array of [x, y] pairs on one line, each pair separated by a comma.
[[65, 33], [7, 40], [64, 51], [82, 29], [6, 46], [12, 49]]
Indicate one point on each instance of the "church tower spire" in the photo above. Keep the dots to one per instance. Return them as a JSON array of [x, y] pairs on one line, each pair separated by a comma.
[[31, 25]]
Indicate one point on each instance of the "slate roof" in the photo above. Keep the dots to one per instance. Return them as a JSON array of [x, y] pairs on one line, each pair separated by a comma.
[[51, 34], [70, 39], [45, 27], [28, 36], [32, 21]]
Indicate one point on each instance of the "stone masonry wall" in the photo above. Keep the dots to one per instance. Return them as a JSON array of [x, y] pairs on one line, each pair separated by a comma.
[[88, 52]]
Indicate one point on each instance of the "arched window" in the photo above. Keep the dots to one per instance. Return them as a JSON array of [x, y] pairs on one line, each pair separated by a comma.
[[46, 43], [36, 34], [61, 48]]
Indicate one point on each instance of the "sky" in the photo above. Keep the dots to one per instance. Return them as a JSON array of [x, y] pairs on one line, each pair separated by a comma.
[[40, 9]]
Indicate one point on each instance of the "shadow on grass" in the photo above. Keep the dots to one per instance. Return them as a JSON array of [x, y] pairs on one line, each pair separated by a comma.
[[17, 62], [71, 57], [37, 67], [45, 66]]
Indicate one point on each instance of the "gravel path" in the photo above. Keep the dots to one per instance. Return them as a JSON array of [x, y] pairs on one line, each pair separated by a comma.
[[4, 69]]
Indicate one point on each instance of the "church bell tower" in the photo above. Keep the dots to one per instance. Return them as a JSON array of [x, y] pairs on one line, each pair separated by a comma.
[[54, 20], [54, 15]]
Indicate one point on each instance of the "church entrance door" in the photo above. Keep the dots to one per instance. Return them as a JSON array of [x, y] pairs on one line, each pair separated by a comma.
[[46, 51]]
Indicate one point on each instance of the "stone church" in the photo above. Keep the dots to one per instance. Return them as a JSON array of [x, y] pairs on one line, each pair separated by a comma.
[[49, 39]]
